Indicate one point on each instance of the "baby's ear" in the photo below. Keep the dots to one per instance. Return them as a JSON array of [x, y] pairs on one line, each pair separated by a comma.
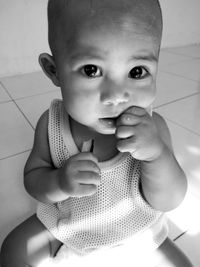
[[49, 68]]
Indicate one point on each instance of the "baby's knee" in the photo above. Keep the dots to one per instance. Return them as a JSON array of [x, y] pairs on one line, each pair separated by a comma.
[[28, 244], [11, 251]]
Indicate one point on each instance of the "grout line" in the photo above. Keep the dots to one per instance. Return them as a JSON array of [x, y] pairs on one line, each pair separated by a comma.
[[13, 100], [179, 236], [39, 94], [24, 115], [20, 74], [6, 91], [167, 50], [174, 122], [14, 155], [3, 86], [176, 100], [170, 50], [179, 75], [28, 96], [5, 101], [182, 126], [164, 65], [181, 54], [160, 64]]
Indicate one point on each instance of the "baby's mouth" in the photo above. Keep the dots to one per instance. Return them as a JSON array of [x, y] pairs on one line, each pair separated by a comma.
[[109, 122]]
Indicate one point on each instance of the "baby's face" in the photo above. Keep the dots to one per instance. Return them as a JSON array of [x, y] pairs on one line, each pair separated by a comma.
[[109, 65]]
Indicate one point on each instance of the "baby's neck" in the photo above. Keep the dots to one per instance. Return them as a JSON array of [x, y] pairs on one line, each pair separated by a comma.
[[104, 145]]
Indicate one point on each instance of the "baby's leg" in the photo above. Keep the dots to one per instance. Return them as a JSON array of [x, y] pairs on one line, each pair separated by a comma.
[[28, 245], [169, 255]]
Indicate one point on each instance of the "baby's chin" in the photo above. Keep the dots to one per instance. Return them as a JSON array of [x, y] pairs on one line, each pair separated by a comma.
[[106, 131]]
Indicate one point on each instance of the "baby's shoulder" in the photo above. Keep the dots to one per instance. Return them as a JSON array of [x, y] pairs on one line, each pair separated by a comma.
[[42, 123], [41, 129], [40, 153]]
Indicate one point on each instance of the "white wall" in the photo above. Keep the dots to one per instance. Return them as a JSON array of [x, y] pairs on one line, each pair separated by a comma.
[[23, 35], [181, 22], [23, 31]]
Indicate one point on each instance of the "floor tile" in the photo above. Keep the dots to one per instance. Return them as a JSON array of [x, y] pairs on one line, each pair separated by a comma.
[[15, 203], [166, 58], [16, 134], [171, 88], [4, 97], [34, 106], [190, 244], [174, 230], [27, 84], [185, 218], [192, 50], [189, 69], [185, 112]]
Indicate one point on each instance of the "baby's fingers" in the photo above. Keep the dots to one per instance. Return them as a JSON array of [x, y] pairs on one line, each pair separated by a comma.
[[86, 165], [127, 145], [88, 177], [86, 190], [125, 132], [138, 111], [84, 156], [128, 119]]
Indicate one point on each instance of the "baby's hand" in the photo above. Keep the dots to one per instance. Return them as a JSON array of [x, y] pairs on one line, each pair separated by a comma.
[[80, 175], [138, 134]]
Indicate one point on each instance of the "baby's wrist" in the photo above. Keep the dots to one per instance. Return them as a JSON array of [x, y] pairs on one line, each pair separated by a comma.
[[152, 154], [61, 185], [162, 155]]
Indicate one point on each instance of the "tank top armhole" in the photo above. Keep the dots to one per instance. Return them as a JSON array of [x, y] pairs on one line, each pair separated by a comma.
[[54, 131]]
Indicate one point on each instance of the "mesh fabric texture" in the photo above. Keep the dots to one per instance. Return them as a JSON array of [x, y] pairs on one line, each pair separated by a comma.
[[116, 213]]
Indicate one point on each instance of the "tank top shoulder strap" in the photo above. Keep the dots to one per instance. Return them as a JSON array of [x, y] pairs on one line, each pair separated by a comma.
[[58, 150]]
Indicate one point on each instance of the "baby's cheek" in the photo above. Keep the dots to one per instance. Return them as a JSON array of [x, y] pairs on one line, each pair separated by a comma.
[[147, 96]]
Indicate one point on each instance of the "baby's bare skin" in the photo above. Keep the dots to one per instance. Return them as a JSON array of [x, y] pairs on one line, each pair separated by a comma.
[[80, 175]]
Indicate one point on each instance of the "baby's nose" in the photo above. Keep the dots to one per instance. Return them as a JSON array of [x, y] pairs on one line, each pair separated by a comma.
[[115, 101], [115, 95]]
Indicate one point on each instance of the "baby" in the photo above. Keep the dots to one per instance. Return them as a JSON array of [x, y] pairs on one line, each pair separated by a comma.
[[102, 166]]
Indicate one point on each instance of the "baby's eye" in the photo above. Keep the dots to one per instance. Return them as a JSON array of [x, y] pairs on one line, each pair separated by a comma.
[[138, 73], [91, 71]]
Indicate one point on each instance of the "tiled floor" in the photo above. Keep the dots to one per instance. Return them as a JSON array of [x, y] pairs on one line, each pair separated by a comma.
[[23, 98]]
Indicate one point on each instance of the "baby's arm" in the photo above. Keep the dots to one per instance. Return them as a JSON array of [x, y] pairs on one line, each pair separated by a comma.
[[78, 177], [163, 182]]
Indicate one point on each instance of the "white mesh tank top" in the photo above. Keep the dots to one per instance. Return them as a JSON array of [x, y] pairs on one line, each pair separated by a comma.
[[116, 213]]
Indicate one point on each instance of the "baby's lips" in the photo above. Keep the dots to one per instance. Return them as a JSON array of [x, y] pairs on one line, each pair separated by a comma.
[[109, 122]]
